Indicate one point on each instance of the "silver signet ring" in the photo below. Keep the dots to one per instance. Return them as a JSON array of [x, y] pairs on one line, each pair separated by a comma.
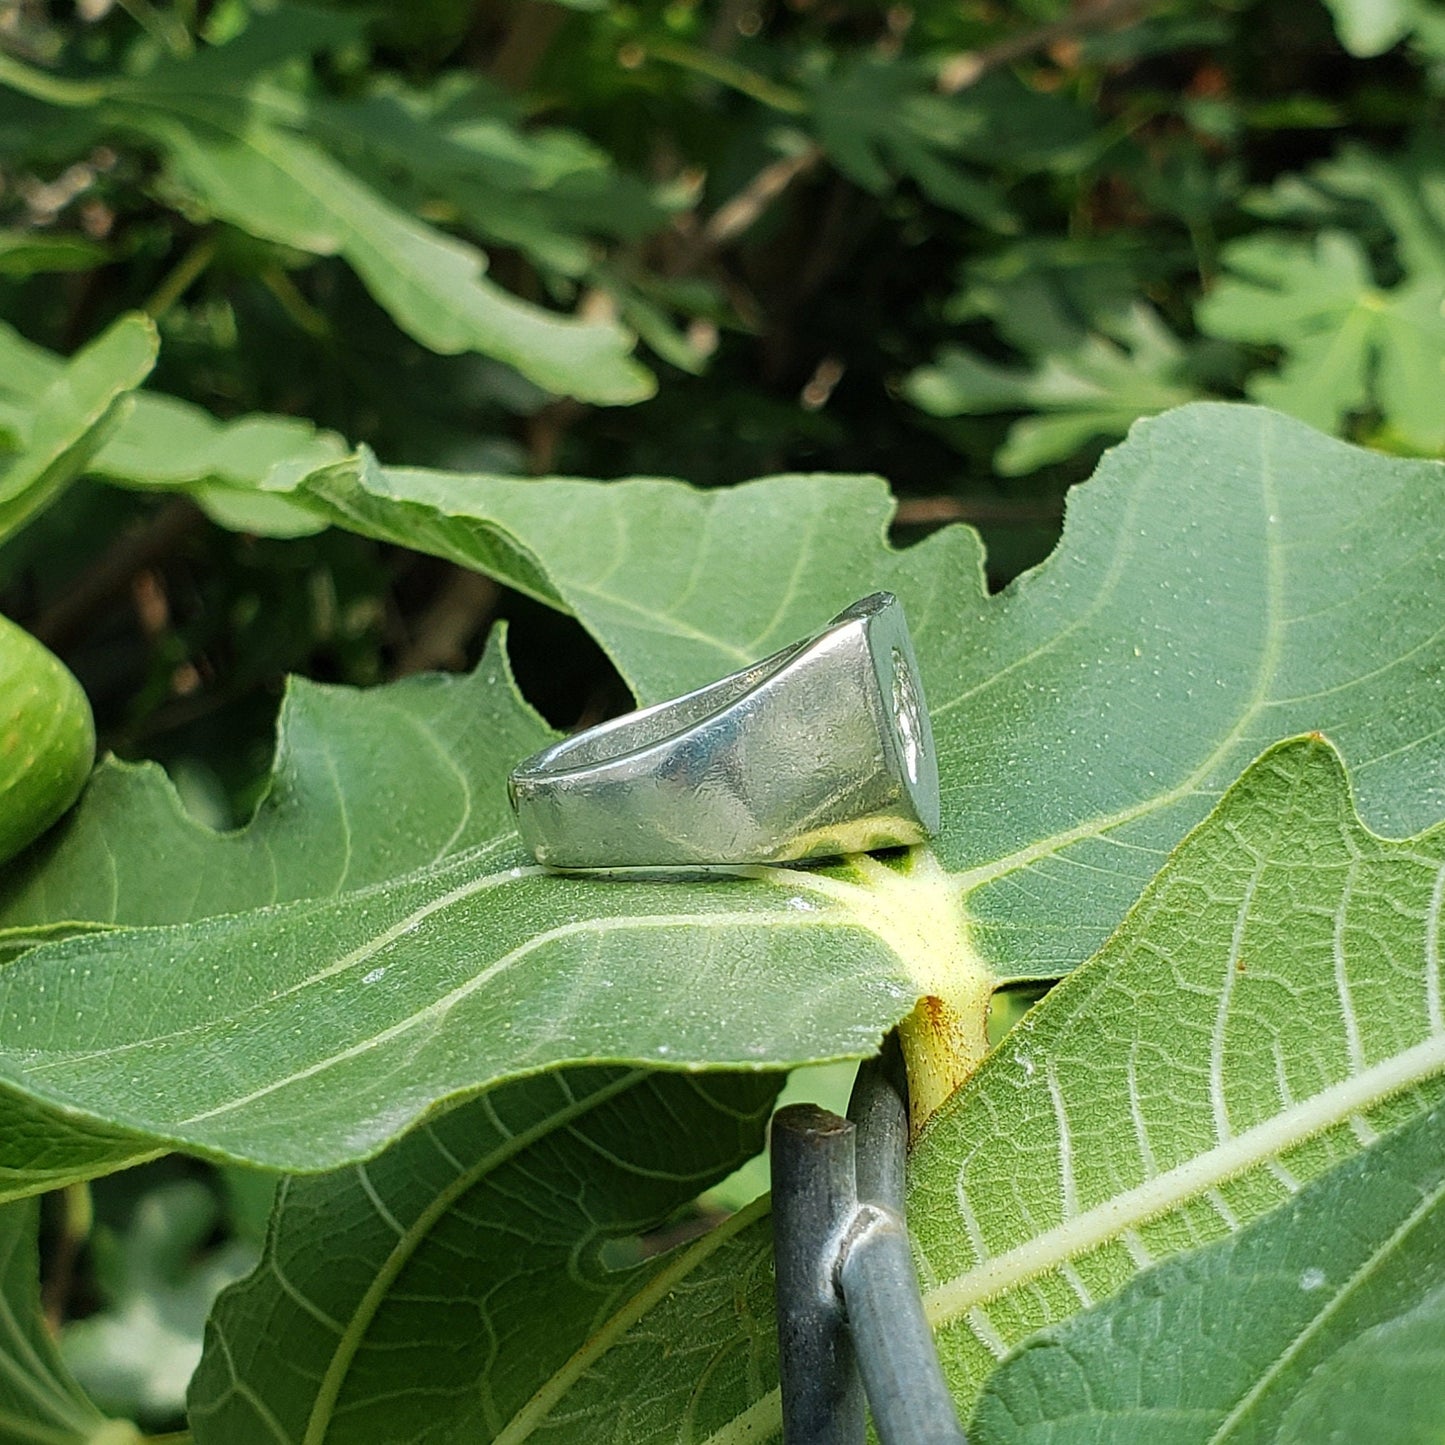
[[821, 749]]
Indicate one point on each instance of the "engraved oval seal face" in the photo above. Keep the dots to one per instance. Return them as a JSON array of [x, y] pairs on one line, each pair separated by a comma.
[[905, 714]]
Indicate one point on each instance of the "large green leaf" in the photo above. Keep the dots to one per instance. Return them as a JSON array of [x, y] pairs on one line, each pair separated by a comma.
[[1270, 1008], [544, 191], [1266, 1335], [243, 149], [40, 1404], [1272, 1004], [284, 187], [1220, 583], [344, 1019], [651, 567], [69, 418], [364, 784], [437, 1291]]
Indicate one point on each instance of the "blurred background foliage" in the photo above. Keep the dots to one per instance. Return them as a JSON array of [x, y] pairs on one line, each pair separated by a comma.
[[960, 243]]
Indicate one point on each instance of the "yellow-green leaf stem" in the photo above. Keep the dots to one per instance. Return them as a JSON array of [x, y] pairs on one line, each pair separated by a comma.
[[916, 911]]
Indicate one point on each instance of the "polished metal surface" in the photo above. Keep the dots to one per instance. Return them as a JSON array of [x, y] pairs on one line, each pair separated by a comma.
[[821, 749]]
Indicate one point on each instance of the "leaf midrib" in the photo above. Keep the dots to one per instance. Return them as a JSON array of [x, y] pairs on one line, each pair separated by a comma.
[[319, 1419], [1105, 1221], [534, 1413], [909, 913], [969, 880], [361, 954], [1360, 1277], [443, 1005]]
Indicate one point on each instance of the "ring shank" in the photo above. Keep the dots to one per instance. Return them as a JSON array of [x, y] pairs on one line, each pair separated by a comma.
[[803, 754]]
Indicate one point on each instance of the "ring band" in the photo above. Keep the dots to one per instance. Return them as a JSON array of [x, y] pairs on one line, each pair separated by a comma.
[[821, 749]]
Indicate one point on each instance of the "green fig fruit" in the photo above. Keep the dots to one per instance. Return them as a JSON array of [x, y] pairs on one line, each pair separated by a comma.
[[47, 738]]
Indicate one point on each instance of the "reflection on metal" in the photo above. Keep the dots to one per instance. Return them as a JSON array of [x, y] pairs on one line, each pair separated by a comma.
[[823, 748], [850, 1317]]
